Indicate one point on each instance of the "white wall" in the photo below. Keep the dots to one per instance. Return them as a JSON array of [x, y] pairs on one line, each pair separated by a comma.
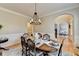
[[12, 23], [48, 22]]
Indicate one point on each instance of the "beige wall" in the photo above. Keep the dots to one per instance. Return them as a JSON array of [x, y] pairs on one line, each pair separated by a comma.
[[48, 22], [12, 23]]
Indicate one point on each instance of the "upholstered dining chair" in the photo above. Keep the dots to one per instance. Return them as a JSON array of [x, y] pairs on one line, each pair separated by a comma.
[[31, 48], [24, 46], [3, 41]]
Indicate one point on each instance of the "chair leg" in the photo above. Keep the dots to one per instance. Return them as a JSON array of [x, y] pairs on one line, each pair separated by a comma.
[[26, 53], [22, 52], [45, 53]]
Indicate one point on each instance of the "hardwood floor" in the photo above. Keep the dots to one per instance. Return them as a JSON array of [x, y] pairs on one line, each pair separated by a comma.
[[67, 45]]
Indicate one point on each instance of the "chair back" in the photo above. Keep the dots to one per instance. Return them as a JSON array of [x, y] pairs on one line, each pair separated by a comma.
[[23, 42], [30, 44]]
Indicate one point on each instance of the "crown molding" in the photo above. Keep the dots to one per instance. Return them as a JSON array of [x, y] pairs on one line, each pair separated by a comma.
[[52, 13], [12, 12]]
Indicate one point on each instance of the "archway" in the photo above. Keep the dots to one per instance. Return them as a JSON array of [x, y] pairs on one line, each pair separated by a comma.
[[65, 31]]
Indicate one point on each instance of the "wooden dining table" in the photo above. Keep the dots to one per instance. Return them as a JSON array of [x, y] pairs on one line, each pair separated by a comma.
[[45, 47]]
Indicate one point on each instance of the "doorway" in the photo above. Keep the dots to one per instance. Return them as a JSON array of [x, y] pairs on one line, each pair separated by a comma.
[[65, 31]]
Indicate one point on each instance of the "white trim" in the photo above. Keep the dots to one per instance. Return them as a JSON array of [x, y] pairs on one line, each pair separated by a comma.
[[13, 12], [59, 11]]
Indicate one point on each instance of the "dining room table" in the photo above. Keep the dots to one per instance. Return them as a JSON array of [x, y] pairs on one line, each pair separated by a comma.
[[46, 49]]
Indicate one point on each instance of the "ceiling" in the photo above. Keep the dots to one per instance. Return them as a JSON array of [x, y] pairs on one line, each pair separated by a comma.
[[27, 9]]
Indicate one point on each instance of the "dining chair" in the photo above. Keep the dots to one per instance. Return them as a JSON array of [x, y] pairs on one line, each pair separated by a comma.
[[3, 48], [24, 46], [60, 49], [3, 41], [31, 48]]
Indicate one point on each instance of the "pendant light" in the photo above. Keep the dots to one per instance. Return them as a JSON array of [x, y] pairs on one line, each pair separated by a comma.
[[35, 19]]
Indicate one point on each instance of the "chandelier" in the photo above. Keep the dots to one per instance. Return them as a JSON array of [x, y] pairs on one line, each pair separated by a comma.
[[35, 19]]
